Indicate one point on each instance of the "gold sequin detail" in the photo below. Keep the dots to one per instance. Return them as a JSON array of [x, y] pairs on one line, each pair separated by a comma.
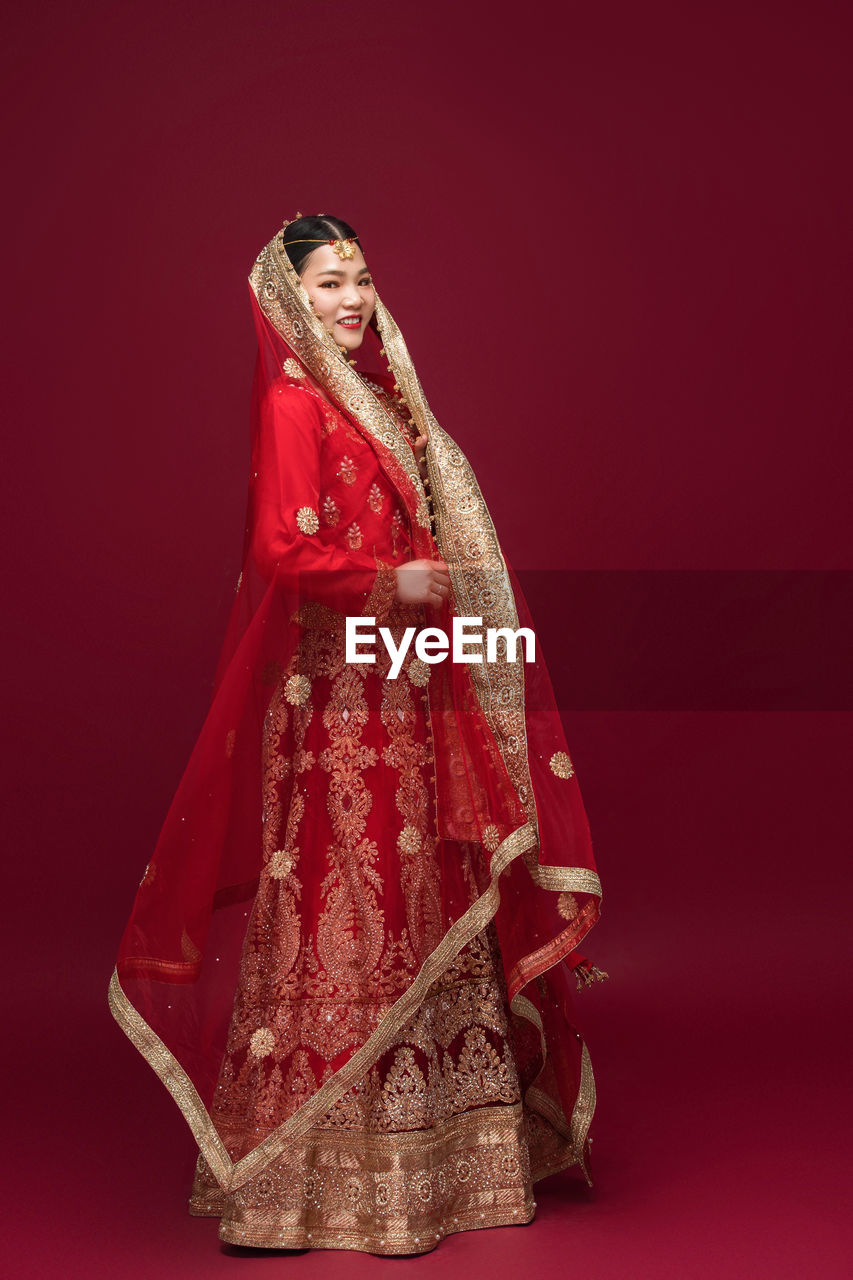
[[262, 1042], [562, 765], [409, 840], [280, 864], [419, 672], [298, 690], [375, 497], [354, 536], [307, 520], [293, 368]]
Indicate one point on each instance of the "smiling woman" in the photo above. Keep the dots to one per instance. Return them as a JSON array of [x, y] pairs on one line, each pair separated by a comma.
[[349, 956], [336, 280]]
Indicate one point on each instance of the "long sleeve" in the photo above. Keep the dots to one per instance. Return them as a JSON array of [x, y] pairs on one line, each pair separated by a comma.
[[312, 564]]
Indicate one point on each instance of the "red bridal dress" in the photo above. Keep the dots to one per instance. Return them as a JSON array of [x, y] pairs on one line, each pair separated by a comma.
[[351, 956]]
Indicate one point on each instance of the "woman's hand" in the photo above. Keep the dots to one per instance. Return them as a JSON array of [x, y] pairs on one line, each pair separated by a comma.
[[422, 582]]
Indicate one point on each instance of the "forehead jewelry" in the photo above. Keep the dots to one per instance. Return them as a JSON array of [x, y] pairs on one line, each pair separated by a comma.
[[343, 248]]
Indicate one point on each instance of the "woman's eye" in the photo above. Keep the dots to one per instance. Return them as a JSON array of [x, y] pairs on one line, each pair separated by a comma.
[[333, 284]]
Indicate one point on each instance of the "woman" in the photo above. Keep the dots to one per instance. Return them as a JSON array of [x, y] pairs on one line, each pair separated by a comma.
[[349, 956]]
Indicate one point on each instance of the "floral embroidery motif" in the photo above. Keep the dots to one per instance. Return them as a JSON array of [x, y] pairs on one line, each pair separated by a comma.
[[375, 497], [331, 511], [281, 863], [307, 520], [419, 672], [561, 764], [293, 368], [567, 905], [409, 840], [491, 838], [353, 536], [347, 470], [262, 1042], [298, 690]]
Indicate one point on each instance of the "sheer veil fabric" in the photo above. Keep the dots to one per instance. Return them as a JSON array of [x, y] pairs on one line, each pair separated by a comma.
[[500, 848]]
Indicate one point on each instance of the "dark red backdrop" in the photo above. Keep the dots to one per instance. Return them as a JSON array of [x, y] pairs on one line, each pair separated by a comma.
[[648, 206]]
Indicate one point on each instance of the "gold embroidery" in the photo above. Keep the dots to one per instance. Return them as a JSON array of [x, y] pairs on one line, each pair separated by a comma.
[[567, 905], [396, 527], [419, 672], [262, 1042], [281, 862], [383, 592], [331, 511], [419, 874], [409, 840], [293, 368], [307, 520], [394, 1193], [434, 1126], [298, 690], [491, 838], [350, 928], [353, 536], [561, 764], [375, 497], [347, 470], [231, 1174]]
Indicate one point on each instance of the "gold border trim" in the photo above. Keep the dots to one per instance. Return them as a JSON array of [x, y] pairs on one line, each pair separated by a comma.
[[232, 1174]]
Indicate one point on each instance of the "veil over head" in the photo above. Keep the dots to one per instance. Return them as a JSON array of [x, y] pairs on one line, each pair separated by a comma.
[[504, 779]]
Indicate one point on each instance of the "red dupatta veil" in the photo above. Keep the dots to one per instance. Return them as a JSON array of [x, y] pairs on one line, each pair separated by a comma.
[[504, 779]]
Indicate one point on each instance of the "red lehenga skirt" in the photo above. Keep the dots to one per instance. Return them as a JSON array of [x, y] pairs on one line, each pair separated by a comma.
[[357, 890]]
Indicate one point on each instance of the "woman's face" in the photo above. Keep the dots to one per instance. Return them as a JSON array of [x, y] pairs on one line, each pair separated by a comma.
[[341, 290]]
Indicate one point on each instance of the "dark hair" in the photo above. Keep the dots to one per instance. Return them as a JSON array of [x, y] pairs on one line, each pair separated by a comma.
[[314, 227]]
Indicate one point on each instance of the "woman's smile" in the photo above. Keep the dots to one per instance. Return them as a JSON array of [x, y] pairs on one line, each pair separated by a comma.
[[332, 283]]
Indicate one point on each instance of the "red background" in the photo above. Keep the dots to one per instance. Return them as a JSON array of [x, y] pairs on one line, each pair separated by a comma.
[[617, 240]]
